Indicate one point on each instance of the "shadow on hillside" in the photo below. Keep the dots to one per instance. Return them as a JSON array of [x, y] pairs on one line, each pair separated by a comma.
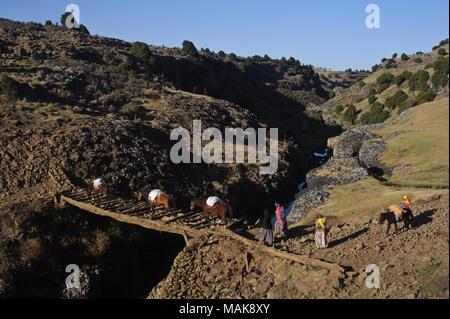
[[423, 218], [345, 239]]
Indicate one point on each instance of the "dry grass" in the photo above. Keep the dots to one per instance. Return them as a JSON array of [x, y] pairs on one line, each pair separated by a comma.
[[425, 150]]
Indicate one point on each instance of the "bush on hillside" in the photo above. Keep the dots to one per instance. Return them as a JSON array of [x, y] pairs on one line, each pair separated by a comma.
[[384, 81], [425, 96], [232, 56], [390, 64], [189, 48], [338, 109], [48, 23], [9, 87], [141, 51], [383, 87], [385, 78], [377, 114], [394, 55], [383, 60], [418, 60], [350, 114], [419, 81], [442, 51], [372, 98], [221, 54], [395, 100], [331, 94], [375, 68], [402, 77], [116, 98], [404, 57], [441, 72]]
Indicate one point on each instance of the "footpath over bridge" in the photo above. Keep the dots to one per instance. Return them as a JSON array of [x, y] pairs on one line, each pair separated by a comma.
[[183, 222]]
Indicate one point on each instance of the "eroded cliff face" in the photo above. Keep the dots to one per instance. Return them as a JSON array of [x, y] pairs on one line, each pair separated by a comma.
[[355, 156]]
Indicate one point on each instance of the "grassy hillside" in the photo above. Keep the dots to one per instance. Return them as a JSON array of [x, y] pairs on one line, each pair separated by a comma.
[[394, 86], [419, 144]]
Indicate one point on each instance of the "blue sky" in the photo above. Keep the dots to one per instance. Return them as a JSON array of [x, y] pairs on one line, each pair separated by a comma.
[[327, 33]]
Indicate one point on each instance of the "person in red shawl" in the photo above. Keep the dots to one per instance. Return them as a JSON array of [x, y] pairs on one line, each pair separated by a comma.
[[280, 223]]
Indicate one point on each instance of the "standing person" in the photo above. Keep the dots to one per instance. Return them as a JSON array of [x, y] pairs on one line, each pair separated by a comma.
[[321, 232], [266, 234], [280, 223]]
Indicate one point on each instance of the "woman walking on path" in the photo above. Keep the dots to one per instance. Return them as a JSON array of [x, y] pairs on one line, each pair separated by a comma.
[[266, 234], [321, 232]]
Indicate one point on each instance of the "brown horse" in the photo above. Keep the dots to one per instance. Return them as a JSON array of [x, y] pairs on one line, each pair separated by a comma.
[[163, 199], [101, 188], [221, 208]]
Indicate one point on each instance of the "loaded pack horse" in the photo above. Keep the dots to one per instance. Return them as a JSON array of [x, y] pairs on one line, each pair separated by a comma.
[[213, 206], [156, 198], [394, 214], [99, 186]]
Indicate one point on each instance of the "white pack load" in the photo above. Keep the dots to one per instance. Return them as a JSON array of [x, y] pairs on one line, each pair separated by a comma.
[[154, 194], [212, 200], [98, 182]]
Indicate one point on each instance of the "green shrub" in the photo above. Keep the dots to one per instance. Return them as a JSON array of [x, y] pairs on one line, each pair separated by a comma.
[[419, 52], [418, 60], [395, 100], [404, 57], [317, 117], [428, 66], [116, 98], [232, 56], [383, 60], [129, 109], [394, 55], [419, 80], [386, 77], [390, 64], [377, 114], [425, 96], [48, 23], [221, 54], [382, 88], [375, 68], [122, 68], [350, 113], [402, 77], [442, 51], [9, 87], [441, 71], [331, 94], [189, 48], [444, 42], [338, 109], [372, 98], [141, 51], [435, 47]]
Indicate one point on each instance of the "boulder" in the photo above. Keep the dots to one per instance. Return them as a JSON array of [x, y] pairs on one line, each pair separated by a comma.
[[347, 143]]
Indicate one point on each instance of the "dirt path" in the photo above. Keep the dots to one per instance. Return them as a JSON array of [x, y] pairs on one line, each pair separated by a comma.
[[413, 264]]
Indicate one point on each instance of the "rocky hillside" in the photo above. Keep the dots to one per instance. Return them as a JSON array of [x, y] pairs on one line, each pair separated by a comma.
[[95, 106]]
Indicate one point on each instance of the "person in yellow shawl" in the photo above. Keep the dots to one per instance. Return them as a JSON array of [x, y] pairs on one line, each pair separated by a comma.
[[321, 232], [406, 203]]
